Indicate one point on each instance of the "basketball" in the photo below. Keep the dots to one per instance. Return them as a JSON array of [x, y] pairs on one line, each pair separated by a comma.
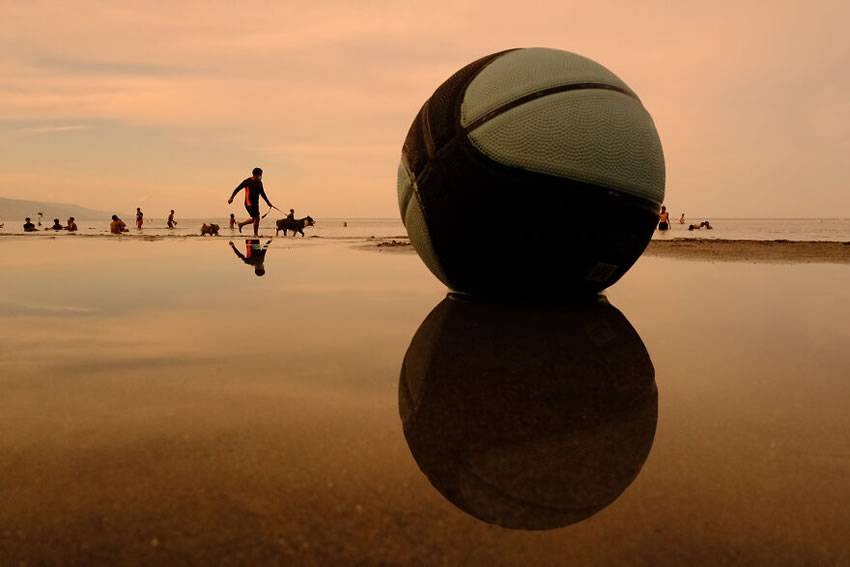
[[531, 172]]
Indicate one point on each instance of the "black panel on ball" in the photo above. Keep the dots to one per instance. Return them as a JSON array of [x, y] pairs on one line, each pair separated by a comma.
[[503, 231]]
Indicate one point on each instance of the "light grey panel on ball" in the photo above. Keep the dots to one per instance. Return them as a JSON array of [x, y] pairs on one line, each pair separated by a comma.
[[404, 188], [420, 237], [595, 136], [526, 71]]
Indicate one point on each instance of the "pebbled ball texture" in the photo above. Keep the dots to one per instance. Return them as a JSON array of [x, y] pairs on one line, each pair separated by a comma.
[[531, 172]]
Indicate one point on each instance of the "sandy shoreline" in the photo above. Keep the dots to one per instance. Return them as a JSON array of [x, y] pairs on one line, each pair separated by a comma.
[[755, 251], [698, 249]]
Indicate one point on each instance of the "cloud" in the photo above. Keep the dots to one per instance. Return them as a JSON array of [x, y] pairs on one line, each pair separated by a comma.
[[52, 129]]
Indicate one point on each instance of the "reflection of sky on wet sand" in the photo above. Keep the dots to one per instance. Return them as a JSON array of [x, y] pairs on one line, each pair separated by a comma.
[[159, 400]]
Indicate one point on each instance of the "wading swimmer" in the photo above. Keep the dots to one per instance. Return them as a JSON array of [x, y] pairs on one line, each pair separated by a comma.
[[663, 219], [140, 218], [29, 226], [171, 221], [232, 221], [72, 226], [253, 187], [117, 226], [56, 225]]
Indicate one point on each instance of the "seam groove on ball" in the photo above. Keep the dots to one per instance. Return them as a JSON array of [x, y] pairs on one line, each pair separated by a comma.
[[426, 133], [545, 92]]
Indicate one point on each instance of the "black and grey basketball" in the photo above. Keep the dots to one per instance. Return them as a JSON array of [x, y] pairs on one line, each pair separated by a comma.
[[530, 173]]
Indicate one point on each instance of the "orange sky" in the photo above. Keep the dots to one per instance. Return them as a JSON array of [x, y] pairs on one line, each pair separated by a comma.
[[170, 104]]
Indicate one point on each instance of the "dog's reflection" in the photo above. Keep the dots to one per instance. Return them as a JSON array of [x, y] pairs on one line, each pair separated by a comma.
[[529, 417], [255, 254]]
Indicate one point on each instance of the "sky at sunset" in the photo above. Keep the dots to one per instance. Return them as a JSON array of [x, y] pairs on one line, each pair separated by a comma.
[[113, 105]]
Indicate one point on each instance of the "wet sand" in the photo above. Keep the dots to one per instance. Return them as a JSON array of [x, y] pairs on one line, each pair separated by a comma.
[[159, 403], [754, 251]]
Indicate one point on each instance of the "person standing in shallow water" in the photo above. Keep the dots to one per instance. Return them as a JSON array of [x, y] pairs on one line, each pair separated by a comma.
[[682, 219], [663, 219], [140, 218], [232, 221], [171, 221], [253, 187]]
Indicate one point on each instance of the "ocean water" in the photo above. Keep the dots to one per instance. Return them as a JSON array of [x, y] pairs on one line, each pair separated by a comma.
[[833, 229]]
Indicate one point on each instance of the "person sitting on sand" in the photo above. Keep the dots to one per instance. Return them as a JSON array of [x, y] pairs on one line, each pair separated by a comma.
[[29, 226], [232, 221], [117, 226], [72, 226], [255, 255], [663, 219], [171, 221]]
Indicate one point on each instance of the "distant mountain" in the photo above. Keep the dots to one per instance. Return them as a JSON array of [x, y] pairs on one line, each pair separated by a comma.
[[17, 210]]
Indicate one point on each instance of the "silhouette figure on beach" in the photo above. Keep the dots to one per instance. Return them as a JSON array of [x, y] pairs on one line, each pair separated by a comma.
[[171, 221], [253, 187], [255, 254]]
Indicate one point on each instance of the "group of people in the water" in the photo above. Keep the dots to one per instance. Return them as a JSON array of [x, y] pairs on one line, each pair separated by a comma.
[[665, 224], [71, 225]]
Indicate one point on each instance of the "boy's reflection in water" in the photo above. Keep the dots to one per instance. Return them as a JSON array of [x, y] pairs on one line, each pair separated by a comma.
[[255, 254]]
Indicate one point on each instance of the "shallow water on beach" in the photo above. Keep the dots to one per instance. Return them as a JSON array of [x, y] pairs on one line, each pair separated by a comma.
[[159, 402]]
